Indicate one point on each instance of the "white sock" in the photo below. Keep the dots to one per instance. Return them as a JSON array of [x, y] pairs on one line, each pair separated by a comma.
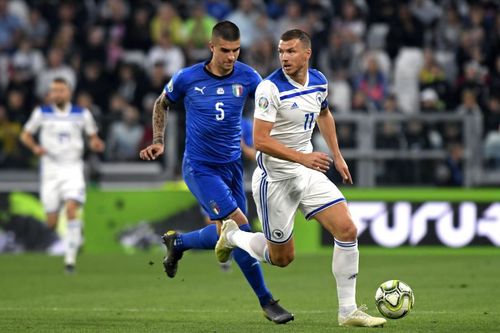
[[254, 243], [345, 269], [72, 241]]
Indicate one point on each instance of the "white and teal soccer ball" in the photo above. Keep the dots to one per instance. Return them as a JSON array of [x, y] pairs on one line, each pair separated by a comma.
[[394, 299]]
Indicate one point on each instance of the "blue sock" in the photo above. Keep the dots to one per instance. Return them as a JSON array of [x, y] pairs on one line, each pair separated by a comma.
[[204, 238], [253, 272]]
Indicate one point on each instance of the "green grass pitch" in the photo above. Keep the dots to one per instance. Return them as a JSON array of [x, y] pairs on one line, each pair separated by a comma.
[[455, 291]]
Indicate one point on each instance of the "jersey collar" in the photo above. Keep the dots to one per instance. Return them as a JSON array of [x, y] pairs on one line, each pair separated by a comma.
[[216, 76], [295, 83], [64, 111]]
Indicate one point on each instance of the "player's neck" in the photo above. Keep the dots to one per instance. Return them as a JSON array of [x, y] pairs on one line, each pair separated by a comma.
[[61, 106], [217, 71], [300, 76]]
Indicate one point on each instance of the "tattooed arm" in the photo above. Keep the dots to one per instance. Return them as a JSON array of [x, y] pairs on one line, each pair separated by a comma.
[[160, 112]]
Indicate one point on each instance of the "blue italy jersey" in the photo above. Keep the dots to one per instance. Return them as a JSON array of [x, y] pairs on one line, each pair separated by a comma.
[[214, 108]]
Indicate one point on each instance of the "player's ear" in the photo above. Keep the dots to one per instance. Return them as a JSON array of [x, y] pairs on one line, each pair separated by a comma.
[[211, 45]]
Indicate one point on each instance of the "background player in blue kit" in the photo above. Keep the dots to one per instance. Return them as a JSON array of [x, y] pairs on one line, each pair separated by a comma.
[[214, 96]]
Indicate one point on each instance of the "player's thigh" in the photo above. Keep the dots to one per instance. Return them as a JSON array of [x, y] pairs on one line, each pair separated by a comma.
[[276, 204], [324, 202], [338, 221], [73, 188], [209, 188], [50, 194], [235, 182]]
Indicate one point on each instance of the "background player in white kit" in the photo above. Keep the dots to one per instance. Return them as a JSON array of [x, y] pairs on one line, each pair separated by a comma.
[[291, 176], [62, 125]]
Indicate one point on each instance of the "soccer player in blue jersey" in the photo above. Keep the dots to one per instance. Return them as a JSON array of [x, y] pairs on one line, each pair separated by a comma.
[[290, 175], [214, 95]]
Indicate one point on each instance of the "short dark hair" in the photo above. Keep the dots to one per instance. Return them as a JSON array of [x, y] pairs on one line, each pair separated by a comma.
[[60, 79], [297, 34], [226, 30]]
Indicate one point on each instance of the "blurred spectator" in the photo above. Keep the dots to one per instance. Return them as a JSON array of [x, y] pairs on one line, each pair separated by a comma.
[[359, 103], [128, 83], [27, 59], [10, 150], [427, 11], [469, 103], [351, 24], [55, 68], [124, 137], [450, 172], [85, 100], [168, 54], [405, 31], [138, 36], [94, 82], [94, 50], [429, 101], [492, 115], [494, 86], [473, 80], [432, 76], [17, 106], [373, 83], [416, 135], [337, 56], [448, 30], [262, 56], [37, 30], [198, 31], [10, 28], [218, 9], [340, 93], [246, 16], [293, 19], [167, 19]]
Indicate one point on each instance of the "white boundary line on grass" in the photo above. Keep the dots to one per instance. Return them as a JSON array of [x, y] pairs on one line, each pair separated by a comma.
[[66, 309]]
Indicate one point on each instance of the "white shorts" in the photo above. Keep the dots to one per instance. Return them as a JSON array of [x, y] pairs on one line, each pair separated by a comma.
[[58, 188], [277, 202]]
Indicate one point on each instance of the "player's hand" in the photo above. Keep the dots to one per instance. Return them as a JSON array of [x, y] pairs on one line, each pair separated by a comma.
[[39, 150], [96, 145], [317, 161], [151, 152], [343, 169]]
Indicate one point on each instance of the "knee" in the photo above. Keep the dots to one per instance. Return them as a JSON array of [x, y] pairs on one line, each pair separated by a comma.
[[348, 232], [282, 260]]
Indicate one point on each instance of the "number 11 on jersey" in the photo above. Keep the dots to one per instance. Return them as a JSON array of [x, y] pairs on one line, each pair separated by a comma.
[[310, 119]]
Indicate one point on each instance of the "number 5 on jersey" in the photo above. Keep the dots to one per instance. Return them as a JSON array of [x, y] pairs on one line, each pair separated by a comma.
[[218, 107]]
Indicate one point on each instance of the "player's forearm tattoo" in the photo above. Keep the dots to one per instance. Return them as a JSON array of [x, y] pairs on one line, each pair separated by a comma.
[[160, 112]]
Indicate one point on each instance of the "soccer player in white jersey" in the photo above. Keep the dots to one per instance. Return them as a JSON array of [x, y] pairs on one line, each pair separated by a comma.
[[60, 147], [290, 175]]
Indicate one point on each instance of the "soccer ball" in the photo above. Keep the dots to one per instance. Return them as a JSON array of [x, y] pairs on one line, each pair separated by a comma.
[[394, 299]]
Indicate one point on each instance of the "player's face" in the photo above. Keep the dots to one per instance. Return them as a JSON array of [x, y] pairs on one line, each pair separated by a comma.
[[225, 53], [294, 56], [60, 93]]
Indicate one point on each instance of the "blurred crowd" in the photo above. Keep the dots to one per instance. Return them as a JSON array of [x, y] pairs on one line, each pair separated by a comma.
[[387, 56]]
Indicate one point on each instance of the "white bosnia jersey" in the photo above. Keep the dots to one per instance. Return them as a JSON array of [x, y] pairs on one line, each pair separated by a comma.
[[293, 108], [61, 133]]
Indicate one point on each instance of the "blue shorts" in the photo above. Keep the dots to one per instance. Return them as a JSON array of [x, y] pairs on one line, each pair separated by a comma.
[[217, 187]]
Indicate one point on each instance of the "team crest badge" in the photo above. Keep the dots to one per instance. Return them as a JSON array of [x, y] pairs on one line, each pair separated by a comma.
[[215, 207], [318, 98], [237, 90]]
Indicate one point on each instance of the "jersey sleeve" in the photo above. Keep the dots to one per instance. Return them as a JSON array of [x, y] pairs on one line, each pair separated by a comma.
[[266, 101], [254, 80], [324, 101], [34, 122], [89, 123], [176, 87]]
